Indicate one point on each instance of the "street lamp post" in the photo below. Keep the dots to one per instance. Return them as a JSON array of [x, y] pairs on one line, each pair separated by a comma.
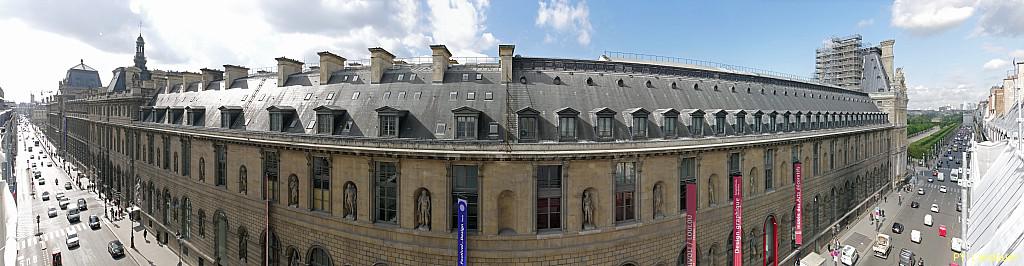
[[105, 211]]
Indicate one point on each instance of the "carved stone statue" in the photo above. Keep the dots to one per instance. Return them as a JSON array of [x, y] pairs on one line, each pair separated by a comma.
[[349, 211], [659, 201], [588, 210], [423, 210], [293, 191], [711, 191], [138, 192]]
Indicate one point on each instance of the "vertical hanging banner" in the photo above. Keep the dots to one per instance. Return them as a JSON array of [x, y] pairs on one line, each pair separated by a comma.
[[461, 209], [798, 197], [691, 224], [737, 220]]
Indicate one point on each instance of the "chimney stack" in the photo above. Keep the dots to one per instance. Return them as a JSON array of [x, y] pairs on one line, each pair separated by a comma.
[[286, 67], [441, 57], [887, 57], [187, 78], [505, 52], [380, 60], [329, 63], [233, 73], [208, 76]]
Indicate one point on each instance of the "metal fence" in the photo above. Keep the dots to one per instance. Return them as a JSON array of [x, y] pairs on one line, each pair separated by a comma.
[[686, 61]]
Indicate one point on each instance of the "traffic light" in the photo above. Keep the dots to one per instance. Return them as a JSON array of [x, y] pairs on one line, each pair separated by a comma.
[[37, 218]]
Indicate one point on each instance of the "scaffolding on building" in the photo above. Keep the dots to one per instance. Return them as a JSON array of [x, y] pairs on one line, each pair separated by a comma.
[[840, 61]]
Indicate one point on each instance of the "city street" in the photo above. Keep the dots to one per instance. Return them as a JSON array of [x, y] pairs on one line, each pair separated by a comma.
[[934, 249], [37, 249]]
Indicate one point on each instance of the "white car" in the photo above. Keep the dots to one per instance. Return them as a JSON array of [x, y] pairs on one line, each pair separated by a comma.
[[849, 255], [942, 189], [928, 219], [920, 191], [915, 236], [957, 245], [935, 208], [72, 239]]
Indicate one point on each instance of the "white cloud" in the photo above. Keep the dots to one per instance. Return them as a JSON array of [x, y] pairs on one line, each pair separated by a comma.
[[563, 17], [865, 23], [180, 36], [995, 64], [1000, 18], [925, 17]]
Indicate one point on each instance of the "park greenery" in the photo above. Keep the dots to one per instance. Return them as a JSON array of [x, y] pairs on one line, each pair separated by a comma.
[[922, 147]]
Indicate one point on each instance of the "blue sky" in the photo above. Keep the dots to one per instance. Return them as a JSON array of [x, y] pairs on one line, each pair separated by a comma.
[[951, 50]]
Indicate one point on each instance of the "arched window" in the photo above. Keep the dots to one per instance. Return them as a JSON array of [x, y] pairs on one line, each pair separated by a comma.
[[770, 242], [318, 257], [243, 244], [293, 257], [243, 181], [220, 221], [275, 249]]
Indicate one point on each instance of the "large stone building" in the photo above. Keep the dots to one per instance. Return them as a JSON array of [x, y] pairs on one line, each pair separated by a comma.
[[562, 161]]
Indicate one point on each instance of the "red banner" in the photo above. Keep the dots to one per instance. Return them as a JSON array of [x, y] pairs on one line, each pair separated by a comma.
[[691, 224], [798, 196], [737, 220]]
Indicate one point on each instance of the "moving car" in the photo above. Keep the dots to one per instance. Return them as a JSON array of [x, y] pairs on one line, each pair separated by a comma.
[[94, 221], [942, 189], [931, 180], [42, 181], [897, 228], [52, 212], [72, 239], [115, 248], [81, 205], [60, 196], [73, 216], [882, 245], [906, 257], [849, 255], [914, 204], [64, 204], [49, 164], [941, 177], [928, 219], [942, 230], [935, 208], [958, 206], [67, 186], [920, 191], [915, 236], [46, 195], [957, 245]]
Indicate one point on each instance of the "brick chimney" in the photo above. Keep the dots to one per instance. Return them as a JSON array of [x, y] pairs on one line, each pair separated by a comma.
[[233, 73], [329, 63], [208, 76], [441, 55], [505, 52], [380, 60], [286, 67]]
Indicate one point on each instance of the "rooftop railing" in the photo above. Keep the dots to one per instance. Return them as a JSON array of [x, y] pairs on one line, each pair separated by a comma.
[[686, 61]]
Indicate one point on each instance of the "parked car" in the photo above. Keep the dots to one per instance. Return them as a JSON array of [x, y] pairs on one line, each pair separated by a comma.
[[935, 208], [914, 204], [849, 255], [42, 181], [897, 228], [81, 205], [52, 212], [942, 189], [115, 248], [46, 195], [957, 245], [906, 257], [915, 236], [94, 221], [67, 186], [49, 164], [920, 191], [72, 240]]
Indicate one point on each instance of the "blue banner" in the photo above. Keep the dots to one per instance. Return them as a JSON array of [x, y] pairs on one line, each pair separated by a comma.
[[461, 209]]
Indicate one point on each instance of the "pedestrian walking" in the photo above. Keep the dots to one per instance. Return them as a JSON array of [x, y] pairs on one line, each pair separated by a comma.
[[144, 234]]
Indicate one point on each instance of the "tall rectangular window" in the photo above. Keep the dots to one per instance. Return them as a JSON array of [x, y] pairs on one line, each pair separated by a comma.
[[186, 158], [386, 192], [687, 173], [321, 193], [734, 169], [167, 153], [772, 124], [465, 127], [567, 128], [149, 148], [769, 171], [465, 185], [846, 151], [639, 127], [625, 191], [757, 124], [670, 126], [271, 174], [697, 126], [817, 161], [605, 127], [388, 126], [720, 125], [325, 123], [221, 164], [741, 125], [528, 128], [549, 197], [785, 123], [832, 155], [276, 121]]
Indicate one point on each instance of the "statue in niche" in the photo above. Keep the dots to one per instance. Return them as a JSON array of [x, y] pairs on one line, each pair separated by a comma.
[[659, 201], [711, 191], [349, 211], [293, 191], [423, 210], [588, 210]]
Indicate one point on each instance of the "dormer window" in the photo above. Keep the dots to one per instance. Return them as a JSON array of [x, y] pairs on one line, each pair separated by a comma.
[[389, 121], [697, 123], [669, 121], [773, 125], [196, 116], [567, 124], [798, 124], [638, 122], [466, 122], [785, 122], [741, 122], [231, 117], [159, 113], [330, 119], [720, 124], [817, 121], [604, 125], [147, 114], [281, 118], [528, 126], [758, 123], [177, 116]]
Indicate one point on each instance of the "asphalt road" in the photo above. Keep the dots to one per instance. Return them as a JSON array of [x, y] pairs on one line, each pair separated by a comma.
[[36, 250], [934, 249]]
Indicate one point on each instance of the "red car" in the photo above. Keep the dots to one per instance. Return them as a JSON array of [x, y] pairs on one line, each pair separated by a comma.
[[935, 173], [942, 230]]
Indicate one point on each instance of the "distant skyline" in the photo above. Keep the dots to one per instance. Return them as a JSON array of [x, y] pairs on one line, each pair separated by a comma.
[[952, 51]]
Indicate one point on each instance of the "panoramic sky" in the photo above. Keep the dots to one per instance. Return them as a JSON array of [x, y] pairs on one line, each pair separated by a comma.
[[952, 51]]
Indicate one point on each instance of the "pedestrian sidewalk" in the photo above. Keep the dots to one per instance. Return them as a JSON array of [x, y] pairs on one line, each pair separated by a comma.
[[861, 234], [147, 250]]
